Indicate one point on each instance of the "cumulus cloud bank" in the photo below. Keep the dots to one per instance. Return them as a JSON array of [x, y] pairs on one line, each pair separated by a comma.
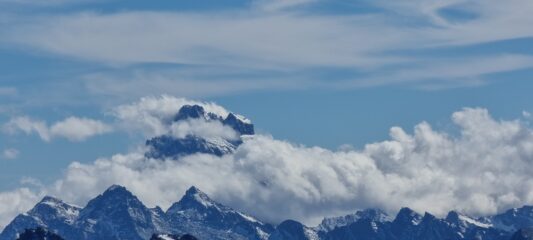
[[71, 128], [482, 169]]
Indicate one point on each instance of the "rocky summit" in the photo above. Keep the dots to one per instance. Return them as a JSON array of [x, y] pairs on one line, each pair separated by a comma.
[[168, 146]]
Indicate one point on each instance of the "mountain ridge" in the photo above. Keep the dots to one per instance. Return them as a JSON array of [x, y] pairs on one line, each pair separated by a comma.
[[119, 214]]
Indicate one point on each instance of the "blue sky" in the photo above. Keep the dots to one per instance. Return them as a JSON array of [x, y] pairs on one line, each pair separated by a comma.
[[313, 72]]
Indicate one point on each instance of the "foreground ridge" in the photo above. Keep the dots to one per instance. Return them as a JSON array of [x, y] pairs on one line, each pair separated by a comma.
[[118, 214]]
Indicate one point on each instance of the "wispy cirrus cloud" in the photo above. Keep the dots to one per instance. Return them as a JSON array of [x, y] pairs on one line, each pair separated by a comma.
[[279, 40], [8, 91]]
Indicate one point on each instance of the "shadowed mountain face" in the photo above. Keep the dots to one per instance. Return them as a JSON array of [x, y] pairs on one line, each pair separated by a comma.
[[118, 214], [172, 237], [169, 146], [523, 234], [38, 234], [196, 210]]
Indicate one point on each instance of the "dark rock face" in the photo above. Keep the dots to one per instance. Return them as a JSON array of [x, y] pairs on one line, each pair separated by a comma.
[[523, 234], [168, 146], [38, 234], [194, 112], [238, 125], [514, 219], [362, 229], [291, 230], [173, 237]]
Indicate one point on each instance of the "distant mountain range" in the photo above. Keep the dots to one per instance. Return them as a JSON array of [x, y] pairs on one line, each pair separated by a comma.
[[118, 214]]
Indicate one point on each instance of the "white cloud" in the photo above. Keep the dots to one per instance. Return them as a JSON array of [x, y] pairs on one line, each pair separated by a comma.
[[152, 115], [78, 129], [427, 170], [28, 126], [482, 169], [8, 91], [217, 39], [444, 73], [277, 5], [10, 153], [15, 202], [71, 128], [286, 43], [202, 128], [203, 81]]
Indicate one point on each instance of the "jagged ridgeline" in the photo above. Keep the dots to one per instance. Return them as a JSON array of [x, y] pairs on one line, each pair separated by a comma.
[[118, 214]]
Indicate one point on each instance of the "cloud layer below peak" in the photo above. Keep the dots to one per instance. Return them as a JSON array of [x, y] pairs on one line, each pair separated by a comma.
[[480, 170]]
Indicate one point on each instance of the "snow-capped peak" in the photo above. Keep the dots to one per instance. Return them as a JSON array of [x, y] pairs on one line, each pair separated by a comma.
[[51, 201], [194, 197], [116, 191], [463, 220], [115, 187], [242, 118], [49, 206], [376, 215]]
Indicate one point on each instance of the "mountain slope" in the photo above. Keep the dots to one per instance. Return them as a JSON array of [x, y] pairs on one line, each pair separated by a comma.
[[117, 214], [523, 234], [49, 213], [38, 234], [199, 215]]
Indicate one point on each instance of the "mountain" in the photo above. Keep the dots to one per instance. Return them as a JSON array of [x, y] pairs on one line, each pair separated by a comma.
[[118, 214], [38, 234], [409, 225], [172, 237], [329, 224], [293, 230], [513, 219], [169, 146], [523, 234], [49, 213], [199, 215]]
